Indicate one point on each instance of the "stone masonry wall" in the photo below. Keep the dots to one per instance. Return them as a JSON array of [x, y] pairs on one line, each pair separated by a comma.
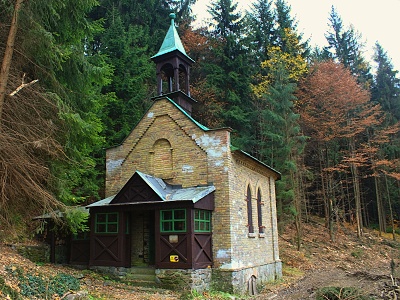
[[240, 281], [183, 279], [257, 249]]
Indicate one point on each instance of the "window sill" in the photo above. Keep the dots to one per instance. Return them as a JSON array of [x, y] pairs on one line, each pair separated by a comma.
[[261, 235], [251, 235]]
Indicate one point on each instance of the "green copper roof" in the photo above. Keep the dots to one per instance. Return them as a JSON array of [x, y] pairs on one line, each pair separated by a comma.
[[172, 41]]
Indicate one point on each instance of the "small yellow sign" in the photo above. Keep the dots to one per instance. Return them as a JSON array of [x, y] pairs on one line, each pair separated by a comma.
[[174, 258]]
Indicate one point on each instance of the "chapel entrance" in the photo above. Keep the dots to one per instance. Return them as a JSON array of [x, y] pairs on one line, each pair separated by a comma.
[[142, 238]]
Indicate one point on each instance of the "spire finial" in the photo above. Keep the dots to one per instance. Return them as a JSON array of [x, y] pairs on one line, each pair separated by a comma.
[[172, 16]]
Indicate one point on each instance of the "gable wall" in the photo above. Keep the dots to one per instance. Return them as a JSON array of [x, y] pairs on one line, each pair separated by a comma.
[[193, 150]]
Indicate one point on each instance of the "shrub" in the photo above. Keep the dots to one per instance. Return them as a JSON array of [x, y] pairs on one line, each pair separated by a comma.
[[44, 288], [7, 291]]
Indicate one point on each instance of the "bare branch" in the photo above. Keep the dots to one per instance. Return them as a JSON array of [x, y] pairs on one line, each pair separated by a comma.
[[23, 85]]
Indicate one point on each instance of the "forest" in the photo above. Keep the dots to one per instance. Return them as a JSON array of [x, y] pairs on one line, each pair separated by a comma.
[[76, 77]]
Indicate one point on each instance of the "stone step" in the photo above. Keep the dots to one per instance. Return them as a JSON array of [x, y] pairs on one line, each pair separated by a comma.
[[142, 270], [141, 277], [143, 280], [144, 276]]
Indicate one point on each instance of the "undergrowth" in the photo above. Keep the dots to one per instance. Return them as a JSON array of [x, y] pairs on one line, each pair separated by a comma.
[[215, 295], [341, 293], [37, 286]]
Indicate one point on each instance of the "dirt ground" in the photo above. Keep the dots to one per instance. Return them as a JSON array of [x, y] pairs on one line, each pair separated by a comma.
[[366, 264], [363, 263]]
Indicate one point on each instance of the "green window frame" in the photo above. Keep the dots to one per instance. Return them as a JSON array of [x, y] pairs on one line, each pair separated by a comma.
[[106, 223], [173, 220], [202, 220]]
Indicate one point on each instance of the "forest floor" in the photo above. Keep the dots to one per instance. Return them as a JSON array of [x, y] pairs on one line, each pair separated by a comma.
[[365, 264], [361, 265]]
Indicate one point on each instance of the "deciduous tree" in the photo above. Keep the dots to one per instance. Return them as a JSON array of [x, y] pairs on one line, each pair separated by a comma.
[[336, 113]]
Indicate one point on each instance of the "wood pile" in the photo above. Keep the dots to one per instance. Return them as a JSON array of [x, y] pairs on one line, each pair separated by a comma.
[[391, 291]]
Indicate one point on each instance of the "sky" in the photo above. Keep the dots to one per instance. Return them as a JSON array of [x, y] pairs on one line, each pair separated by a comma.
[[374, 20]]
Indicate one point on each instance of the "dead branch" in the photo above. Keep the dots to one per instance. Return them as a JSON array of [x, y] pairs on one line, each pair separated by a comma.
[[23, 85]]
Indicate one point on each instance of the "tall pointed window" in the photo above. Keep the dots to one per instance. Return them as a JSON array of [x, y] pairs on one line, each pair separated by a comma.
[[249, 210], [259, 212]]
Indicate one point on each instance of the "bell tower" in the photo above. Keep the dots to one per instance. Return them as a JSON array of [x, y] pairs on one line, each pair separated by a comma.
[[173, 69]]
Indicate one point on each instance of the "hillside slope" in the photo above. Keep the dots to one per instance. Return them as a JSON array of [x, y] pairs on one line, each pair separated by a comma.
[[365, 264]]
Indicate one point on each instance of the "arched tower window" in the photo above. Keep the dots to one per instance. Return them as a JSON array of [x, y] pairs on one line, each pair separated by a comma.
[[249, 210], [167, 79], [259, 212], [162, 159], [184, 79]]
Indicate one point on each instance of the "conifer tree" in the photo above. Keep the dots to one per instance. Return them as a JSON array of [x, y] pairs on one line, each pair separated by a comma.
[[345, 45], [277, 129], [229, 74], [58, 150], [386, 91], [261, 24], [386, 85], [127, 51]]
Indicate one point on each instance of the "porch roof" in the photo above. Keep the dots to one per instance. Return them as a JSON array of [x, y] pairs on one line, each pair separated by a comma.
[[165, 191]]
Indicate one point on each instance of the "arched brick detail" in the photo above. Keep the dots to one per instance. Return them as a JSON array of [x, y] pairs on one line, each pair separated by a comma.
[[162, 159]]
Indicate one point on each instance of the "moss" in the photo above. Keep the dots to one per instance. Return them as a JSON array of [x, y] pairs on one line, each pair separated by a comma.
[[221, 281], [171, 279], [37, 254]]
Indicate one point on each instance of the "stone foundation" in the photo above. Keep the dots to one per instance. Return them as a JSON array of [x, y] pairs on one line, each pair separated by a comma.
[[246, 280], [116, 271], [243, 281], [198, 280]]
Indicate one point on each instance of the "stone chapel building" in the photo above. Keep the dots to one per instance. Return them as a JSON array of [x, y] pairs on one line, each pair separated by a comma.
[[181, 198]]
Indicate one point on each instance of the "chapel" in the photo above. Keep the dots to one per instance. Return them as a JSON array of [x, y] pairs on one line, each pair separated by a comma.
[[182, 198]]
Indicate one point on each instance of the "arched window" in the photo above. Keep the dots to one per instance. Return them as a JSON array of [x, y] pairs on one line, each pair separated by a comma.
[[249, 211], [167, 79], [259, 212], [183, 80]]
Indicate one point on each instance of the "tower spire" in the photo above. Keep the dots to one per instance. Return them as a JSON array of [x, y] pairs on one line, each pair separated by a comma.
[[173, 69]]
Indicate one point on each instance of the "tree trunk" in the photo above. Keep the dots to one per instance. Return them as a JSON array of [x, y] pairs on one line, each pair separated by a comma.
[[390, 208], [356, 188], [298, 207], [378, 205], [5, 66], [324, 187]]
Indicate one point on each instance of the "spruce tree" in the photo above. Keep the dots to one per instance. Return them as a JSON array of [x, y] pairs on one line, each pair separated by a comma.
[[276, 122], [345, 46], [127, 51], [261, 27], [59, 165], [386, 85], [229, 74]]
